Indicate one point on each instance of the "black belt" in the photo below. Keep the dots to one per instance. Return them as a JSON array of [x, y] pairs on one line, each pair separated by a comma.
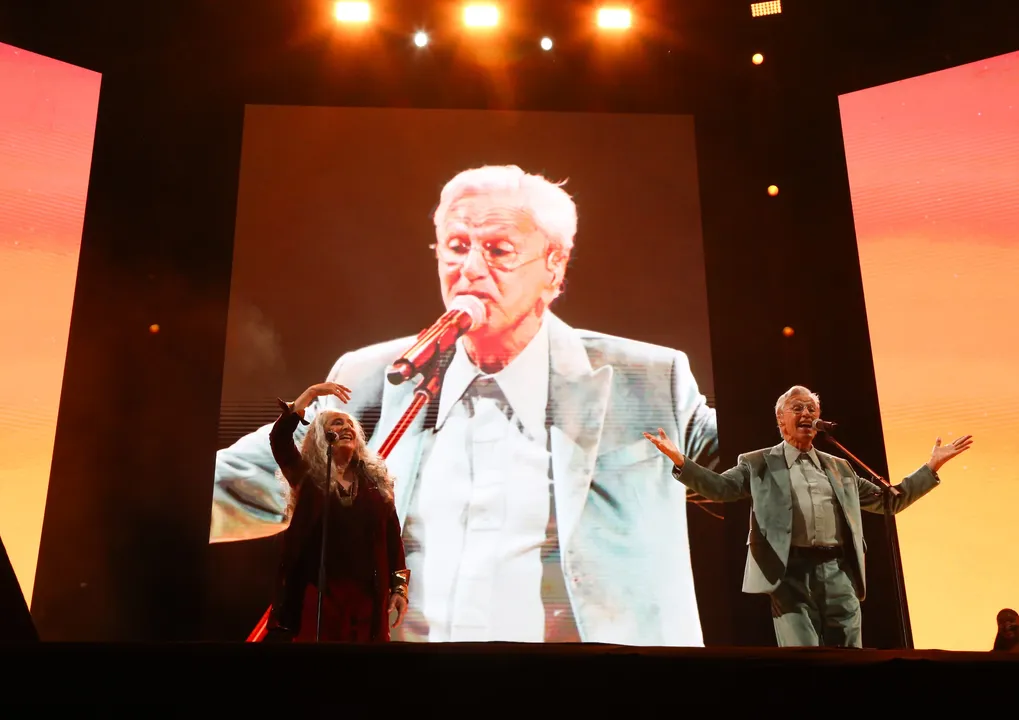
[[817, 553]]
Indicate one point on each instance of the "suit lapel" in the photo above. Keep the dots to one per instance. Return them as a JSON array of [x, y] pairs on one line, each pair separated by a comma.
[[836, 485], [780, 472], [578, 397]]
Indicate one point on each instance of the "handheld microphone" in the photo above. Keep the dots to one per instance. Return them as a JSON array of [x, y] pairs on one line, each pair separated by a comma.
[[465, 313], [824, 426], [331, 437]]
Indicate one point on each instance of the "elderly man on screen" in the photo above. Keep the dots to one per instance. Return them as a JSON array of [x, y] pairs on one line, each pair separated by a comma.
[[806, 547], [529, 510]]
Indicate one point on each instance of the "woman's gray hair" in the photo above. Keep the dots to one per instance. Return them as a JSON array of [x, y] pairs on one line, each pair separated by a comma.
[[366, 463]]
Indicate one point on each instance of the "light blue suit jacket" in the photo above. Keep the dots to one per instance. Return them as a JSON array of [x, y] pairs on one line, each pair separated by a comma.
[[763, 476], [621, 516]]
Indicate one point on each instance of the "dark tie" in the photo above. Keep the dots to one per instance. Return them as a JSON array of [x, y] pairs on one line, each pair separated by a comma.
[[485, 387]]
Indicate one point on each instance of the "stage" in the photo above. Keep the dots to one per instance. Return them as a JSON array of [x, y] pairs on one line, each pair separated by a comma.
[[400, 678], [209, 206]]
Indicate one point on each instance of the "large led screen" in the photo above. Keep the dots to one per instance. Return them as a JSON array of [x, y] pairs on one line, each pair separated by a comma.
[[531, 507], [47, 125], [934, 171]]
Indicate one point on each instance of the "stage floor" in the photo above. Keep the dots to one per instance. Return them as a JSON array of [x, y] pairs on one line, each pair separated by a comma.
[[401, 678]]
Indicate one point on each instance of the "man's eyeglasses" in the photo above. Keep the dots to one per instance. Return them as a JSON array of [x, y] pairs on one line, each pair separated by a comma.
[[800, 407], [497, 255]]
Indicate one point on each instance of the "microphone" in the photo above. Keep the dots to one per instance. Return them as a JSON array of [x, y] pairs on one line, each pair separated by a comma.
[[465, 313], [331, 437], [824, 426]]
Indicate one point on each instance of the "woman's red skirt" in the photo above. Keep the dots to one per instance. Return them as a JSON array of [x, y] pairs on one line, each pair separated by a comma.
[[347, 610]]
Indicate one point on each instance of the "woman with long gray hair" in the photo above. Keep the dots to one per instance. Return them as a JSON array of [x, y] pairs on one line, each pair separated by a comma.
[[366, 577]]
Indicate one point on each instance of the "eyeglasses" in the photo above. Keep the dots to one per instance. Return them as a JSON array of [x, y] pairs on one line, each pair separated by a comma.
[[800, 407], [497, 255]]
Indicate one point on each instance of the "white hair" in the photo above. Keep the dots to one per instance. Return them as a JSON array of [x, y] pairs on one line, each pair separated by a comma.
[[552, 209], [367, 463], [795, 390], [784, 397]]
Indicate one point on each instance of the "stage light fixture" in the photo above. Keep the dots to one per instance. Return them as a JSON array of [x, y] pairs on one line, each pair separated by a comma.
[[757, 58], [420, 39], [614, 18], [546, 43], [481, 16], [352, 12], [760, 9]]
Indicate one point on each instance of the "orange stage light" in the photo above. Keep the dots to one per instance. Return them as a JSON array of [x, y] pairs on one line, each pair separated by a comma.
[[481, 16], [760, 9], [614, 18], [352, 12]]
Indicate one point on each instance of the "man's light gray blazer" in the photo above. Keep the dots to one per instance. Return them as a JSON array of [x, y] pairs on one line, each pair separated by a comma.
[[621, 517], [763, 476]]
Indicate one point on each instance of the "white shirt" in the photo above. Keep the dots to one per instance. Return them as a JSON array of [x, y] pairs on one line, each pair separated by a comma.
[[480, 510]]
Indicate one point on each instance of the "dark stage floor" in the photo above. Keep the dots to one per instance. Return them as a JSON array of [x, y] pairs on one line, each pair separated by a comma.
[[406, 678]]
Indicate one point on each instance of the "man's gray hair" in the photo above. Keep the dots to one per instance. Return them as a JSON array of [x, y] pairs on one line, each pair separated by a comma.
[[795, 390], [552, 209]]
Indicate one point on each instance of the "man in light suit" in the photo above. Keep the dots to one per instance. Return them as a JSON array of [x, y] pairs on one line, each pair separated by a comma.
[[806, 547], [530, 511]]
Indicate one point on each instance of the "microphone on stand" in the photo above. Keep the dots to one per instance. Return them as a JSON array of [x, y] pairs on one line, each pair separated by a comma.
[[465, 313], [331, 437], [824, 426]]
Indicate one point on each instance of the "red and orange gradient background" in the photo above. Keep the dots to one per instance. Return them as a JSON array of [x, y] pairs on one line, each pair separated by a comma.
[[934, 173], [47, 123]]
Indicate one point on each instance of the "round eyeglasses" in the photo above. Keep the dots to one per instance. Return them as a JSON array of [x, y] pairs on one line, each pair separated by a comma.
[[497, 255]]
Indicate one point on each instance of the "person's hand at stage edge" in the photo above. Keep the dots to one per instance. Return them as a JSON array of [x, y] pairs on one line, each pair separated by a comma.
[[318, 390], [667, 447], [943, 453], [397, 603]]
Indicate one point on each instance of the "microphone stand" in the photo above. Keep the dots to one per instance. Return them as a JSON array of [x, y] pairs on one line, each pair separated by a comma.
[[905, 632], [425, 392], [322, 550]]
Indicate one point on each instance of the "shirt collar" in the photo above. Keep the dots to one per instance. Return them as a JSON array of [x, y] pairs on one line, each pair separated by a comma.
[[792, 453], [524, 382]]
